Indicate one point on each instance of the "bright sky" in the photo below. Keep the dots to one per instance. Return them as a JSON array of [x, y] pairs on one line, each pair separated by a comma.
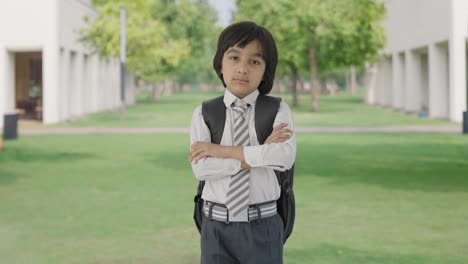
[[224, 8]]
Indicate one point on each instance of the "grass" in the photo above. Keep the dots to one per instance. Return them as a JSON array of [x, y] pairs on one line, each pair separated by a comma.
[[344, 110], [361, 198]]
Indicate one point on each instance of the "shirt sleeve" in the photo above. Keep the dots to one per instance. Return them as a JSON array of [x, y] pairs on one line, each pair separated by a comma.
[[277, 156], [209, 168]]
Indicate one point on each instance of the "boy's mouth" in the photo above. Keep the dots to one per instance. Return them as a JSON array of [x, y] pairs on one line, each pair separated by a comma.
[[241, 80]]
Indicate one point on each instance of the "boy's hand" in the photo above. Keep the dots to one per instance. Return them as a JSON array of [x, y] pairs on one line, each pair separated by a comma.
[[279, 134], [200, 149]]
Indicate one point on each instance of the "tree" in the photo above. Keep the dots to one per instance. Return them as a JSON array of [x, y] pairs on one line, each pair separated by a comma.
[[195, 22], [277, 18], [329, 34]]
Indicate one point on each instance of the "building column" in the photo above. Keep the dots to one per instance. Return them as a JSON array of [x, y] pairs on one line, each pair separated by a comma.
[[388, 82], [457, 60], [116, 83], [51, 82], [413, 86], [129, 88], [7, 83], [380, 82], [72, 85], [101, 87], [78, 85], [94, 81], [438, 82], [85, 85], [64, 85], [370, 83], [398, 81], [3, 82]]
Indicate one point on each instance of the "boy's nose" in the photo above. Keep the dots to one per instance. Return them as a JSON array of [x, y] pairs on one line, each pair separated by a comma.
[[242, 71]]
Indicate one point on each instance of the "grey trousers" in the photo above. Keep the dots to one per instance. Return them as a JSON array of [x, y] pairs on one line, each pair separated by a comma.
[[259, 241]]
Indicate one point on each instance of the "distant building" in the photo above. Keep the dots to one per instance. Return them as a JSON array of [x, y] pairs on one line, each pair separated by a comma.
[[46, 73], [423, 67]]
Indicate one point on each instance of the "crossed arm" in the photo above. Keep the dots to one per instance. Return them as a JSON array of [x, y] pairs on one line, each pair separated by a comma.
[[200, 149]]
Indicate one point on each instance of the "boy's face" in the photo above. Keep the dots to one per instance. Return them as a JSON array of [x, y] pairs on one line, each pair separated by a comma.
[[243, 68]]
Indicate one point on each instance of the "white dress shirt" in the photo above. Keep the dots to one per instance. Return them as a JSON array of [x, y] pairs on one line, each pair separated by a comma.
[[263, 159]]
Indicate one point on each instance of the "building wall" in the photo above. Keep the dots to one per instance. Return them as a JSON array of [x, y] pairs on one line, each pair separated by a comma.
[[415, 23], [76, 81], [427, 40], [17, 35]]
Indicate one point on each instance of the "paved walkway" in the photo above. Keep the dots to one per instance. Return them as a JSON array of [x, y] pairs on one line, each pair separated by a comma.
[[143, 130]]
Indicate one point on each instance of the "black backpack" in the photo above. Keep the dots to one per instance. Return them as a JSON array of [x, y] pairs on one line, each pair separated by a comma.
[[214, 114]]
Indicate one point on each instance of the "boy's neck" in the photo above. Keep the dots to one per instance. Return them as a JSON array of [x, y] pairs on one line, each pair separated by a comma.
[[240, 96]]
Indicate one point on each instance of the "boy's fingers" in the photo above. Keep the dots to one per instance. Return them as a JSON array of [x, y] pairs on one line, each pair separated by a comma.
[[195, 153], [279, 126]]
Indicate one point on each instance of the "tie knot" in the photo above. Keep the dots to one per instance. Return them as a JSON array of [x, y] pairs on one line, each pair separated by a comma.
[[240, 108]]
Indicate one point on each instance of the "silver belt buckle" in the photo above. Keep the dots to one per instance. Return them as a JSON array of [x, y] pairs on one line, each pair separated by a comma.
[[240, 217]]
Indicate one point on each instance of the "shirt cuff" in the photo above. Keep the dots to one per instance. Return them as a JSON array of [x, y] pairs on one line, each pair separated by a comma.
[[252, 156], [233, 165]]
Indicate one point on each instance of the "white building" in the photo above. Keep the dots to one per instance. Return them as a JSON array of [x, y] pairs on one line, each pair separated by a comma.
[[423, 67], [46, 73]]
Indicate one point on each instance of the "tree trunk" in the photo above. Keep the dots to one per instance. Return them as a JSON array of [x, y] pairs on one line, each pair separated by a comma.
[[314, 87], [353, 80], [156, 91], [168, 87], [348, 81], [293, 83]]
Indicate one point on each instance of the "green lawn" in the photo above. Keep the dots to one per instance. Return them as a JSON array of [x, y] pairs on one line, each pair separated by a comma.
[[361, 198], [344, 110]]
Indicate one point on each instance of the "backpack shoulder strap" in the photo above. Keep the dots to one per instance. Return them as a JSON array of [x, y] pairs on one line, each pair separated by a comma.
[[214, 114], [266, 109]]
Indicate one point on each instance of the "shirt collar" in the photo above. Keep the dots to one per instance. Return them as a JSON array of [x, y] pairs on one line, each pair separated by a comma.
[[230, 98]]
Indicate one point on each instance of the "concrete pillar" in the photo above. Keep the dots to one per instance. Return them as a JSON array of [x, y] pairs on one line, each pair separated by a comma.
[[101, 87], [398, 80], [64, 104], [7, 83], [370, 83], [51, 82], [72, 85], [438, 82], [94, 81], [457, 59], [116, 82], [388, 82], [3, 82], [380, 82], [424, 81], [85, 85], [413, 85], [130, 88], [78, 85]]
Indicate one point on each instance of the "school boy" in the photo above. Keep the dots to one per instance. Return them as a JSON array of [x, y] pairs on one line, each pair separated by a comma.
[[241, 224]]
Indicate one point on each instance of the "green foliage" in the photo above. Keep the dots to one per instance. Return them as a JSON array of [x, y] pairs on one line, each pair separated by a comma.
[[164, 37], [344, 32], [195, 22]]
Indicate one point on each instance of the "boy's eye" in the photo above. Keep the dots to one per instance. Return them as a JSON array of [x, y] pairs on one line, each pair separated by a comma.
[[256, 62], [234, 58]]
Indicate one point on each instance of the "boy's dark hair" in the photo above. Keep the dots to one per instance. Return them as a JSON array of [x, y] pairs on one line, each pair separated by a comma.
[[240, 34]]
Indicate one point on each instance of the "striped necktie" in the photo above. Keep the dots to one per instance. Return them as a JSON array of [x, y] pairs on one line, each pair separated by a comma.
[[237, 198]]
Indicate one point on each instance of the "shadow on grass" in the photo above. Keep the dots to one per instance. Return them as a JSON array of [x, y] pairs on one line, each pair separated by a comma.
[[36, 155], [16, 156], [8, 176], [334, 254], [422, 167], [173, 159]]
